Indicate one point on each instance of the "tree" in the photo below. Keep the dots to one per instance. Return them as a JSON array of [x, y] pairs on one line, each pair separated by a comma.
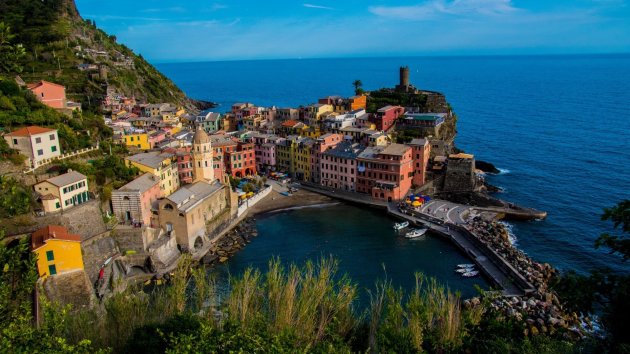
[[15, 198], [620, 216], [604, 287], [357, 87], [10, 54]]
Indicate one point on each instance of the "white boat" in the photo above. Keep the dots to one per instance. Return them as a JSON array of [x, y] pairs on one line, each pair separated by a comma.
[[415, 233], [400, 225], [474, 273], [464, 270], [465, 265]]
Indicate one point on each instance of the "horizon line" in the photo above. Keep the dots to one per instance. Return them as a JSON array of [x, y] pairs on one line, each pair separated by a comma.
[[186, 61]]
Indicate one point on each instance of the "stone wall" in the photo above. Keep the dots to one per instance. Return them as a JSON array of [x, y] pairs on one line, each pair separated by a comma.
[[460, 175], [95, 252]]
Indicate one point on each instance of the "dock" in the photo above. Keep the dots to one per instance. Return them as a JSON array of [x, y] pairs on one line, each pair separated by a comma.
[[498, 270]]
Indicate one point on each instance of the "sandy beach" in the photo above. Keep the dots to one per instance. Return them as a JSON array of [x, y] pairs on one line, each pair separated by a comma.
[[276, 201]]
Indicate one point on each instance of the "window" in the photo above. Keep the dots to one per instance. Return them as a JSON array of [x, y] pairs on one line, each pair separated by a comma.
[[52, 137], [57, 205], [53, 148], [40, 152], [14, 141], [52, 269], [50, 256], [38, 140]]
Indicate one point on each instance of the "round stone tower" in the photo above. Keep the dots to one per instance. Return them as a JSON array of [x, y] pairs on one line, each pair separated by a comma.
[[203, 168], [404, 77]]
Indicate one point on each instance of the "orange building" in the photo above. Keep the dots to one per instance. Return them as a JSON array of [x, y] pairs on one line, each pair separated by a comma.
[[357, 102], [385, 172], [421, 150], [51, 94]]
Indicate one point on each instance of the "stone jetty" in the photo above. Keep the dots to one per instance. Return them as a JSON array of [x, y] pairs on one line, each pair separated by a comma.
[[539, 311], [230, 243]]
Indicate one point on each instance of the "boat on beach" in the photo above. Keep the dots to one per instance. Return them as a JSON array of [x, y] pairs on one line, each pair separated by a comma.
[[400, 225], [415, 233]]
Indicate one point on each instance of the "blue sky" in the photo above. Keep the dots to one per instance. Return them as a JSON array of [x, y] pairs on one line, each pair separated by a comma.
[[198, 30]]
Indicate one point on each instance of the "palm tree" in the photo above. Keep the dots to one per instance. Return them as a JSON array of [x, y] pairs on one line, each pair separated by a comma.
[[357, 86]]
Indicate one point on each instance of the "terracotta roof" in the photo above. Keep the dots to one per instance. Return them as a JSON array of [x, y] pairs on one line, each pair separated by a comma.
[[42, 82], [290, 123], [39, 237], [32, 130]]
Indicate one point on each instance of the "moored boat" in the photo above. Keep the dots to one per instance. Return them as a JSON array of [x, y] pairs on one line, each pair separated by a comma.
[[415, 233], [464, 270], [465, 265], [474, 273], [399, 226]]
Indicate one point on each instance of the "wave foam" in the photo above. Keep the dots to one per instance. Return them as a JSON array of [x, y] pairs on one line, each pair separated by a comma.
[[503, 171], [511, 236]]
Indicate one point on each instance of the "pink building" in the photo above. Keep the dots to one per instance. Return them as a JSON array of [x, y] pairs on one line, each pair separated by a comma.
[[184, 163], [385, 172], [421, 150], [133, 201], [338, 166], [156, 137], [51, 94], [386, 117], [323, 143]]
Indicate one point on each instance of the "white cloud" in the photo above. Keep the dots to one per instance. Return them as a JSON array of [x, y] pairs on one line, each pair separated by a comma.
[[438, 8], [311, 6]]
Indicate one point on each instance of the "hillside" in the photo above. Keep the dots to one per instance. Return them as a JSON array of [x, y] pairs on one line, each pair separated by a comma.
[[58, 41]]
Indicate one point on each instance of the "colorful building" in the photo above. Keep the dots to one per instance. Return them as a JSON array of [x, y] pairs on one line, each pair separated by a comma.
[[209, 121], [51, 94], [421, 150], [301, 155], [163, 165], [134, 200], [57, 250], [138, 140], [323, 143], [63, 192], [338, 166], [36, 143], [385, 172], [241, 161], [386, 117]]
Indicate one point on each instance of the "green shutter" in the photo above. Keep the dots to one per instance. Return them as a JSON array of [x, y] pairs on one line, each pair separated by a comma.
[[50, 256]]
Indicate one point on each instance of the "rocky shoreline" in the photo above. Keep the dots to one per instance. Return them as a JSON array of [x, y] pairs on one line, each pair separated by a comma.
[[540, 311], [232, 242]]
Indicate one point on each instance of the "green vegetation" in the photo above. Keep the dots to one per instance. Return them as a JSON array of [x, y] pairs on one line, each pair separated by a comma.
[[55, 38], [18, 107], [384, 97], [605, 289], [15, 198], [10, 53], [358, 87]]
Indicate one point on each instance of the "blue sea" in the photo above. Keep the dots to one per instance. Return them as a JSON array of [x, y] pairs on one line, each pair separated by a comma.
[[557, 126]]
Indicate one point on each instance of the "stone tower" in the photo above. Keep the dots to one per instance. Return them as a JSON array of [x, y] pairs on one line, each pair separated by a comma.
[[404, 78], [203, 168]]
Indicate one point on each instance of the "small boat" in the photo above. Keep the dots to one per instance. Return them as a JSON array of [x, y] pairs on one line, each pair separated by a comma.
[[474, 273], [464, 270], [286, 194], [400, 225], [465, 265], [415, 233]]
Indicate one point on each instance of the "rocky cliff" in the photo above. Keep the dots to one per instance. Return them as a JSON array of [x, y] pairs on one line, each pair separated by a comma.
[[64, 48]]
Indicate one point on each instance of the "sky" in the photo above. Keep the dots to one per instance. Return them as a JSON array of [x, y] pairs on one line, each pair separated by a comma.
[[206, 30]]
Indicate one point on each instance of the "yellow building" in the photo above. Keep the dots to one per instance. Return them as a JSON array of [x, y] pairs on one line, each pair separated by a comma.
[[138, 140], [311, 132], [301, 158], [63, 192], [57, 250], [162, 165]]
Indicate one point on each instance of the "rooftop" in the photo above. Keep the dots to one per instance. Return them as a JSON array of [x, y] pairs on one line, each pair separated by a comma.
[[191, 195], [140, 184], [32, 130], [395, 149], [39, 237], [67, 178], [345, 150], [425, 116], [418, 142], [151, 159]]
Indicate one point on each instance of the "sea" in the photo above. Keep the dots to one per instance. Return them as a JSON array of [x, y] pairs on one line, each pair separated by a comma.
[[557, 127]]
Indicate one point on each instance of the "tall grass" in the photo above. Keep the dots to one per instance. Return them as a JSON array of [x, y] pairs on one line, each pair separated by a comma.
[[310, 306]]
